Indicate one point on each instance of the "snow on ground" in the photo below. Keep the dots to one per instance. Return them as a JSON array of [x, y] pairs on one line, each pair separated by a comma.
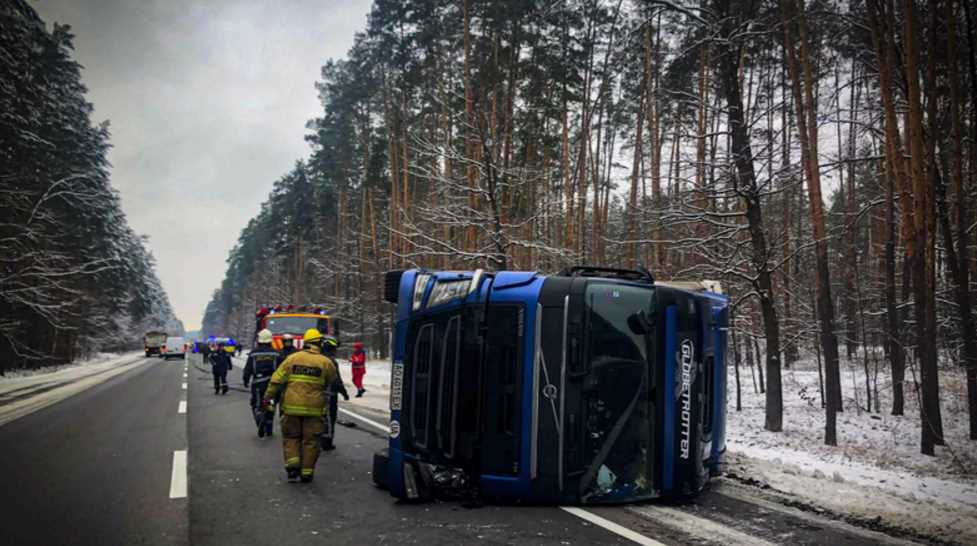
[[377, 385], [876, 472], [79, 368], [26, 393]]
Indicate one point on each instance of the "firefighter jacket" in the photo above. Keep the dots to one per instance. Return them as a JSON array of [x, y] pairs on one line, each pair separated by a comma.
[[358, 359], [304, 376], [220, 362], [260, 365]]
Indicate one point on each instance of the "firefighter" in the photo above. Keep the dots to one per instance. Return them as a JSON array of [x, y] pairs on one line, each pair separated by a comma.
[[220, 363], [329, 347], [261, 363], [302, 380], [288, 347], [358, 361]]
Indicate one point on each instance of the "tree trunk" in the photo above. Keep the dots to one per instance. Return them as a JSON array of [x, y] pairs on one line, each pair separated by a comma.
[[736, 364], [745, 184], [471, 147], [930, 419], [803, 91], [964, 305]]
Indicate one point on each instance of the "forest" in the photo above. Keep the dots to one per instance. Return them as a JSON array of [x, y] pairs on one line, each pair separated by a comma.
[[74, 277], [818, 158]]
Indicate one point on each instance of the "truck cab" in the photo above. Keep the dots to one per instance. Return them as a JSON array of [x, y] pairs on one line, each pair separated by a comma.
[[594, 385]]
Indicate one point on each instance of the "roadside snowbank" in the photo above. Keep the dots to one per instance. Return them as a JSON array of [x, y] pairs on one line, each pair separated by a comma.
[[876, 472], [79, 367], [23, 395]]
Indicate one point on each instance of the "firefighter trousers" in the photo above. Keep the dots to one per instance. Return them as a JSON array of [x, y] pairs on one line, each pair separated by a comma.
[[300, 441], [220, 381], [262, 417], [329, 434]]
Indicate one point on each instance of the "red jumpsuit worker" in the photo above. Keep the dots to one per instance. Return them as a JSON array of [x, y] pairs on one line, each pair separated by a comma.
[[358, 360]]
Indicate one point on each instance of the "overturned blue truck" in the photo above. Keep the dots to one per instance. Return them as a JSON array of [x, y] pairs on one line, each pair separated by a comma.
[[594, 385]]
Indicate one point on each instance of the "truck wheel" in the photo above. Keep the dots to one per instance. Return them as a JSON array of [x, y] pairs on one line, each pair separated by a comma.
[[380, 466]]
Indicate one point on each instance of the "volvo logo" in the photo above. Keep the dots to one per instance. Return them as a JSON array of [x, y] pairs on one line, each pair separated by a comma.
[[549, 391]]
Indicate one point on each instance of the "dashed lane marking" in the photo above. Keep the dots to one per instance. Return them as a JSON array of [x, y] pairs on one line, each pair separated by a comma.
[[184, 387], [184, 375], [619, 530], [183, 407], [178, 478]]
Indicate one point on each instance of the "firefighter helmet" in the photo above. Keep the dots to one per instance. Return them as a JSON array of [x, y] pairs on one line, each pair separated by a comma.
[[312, 336], [228, 348], [264, 336], [331, 342]]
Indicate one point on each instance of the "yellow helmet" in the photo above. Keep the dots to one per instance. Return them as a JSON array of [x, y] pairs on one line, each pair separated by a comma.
[[312, 336], [228, 348]]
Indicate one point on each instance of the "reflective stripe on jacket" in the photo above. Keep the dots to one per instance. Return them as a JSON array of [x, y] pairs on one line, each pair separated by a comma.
[[304, 377], [261, 363]]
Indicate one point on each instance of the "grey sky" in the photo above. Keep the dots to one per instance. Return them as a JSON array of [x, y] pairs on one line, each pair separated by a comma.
[[208, 102]]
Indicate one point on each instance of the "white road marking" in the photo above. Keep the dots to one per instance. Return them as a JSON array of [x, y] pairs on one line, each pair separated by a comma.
[[697, 527], [619, 530], [183, 407], [384, 428], [178, 479], [738, 493], [184, 386], [583, 514], [184, 375]]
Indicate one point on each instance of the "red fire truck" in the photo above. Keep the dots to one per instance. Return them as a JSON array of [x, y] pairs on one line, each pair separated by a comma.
[[294, 320]]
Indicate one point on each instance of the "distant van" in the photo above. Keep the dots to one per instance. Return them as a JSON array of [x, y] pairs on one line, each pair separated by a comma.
[[175, 348]]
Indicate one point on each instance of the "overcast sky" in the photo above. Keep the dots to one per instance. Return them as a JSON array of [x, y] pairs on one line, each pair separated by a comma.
[[208, 102]]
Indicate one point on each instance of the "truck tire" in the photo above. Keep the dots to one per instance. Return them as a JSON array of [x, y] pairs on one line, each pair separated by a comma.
[[391, 285], [380, 466]]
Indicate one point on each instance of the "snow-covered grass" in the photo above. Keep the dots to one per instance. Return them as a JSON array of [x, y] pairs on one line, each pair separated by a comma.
[[91, 360], [876, 472]]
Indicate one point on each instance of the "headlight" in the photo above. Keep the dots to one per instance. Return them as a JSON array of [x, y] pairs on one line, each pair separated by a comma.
[[420, 283]]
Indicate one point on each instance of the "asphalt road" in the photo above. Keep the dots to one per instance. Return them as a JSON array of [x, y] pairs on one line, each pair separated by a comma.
[[95, 468], [98, 468]]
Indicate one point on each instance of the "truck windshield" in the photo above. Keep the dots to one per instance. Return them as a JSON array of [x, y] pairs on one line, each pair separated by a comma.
[[618, 412], [294, 325]]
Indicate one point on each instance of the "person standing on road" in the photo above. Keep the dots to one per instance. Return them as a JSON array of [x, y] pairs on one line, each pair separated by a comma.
[[220, 363], [358, 362], [302, 380], [337, 387], [262, 362]]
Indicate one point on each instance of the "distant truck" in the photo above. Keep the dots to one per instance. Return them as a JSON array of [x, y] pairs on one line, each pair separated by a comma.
[[153, 342], [294, 320]]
